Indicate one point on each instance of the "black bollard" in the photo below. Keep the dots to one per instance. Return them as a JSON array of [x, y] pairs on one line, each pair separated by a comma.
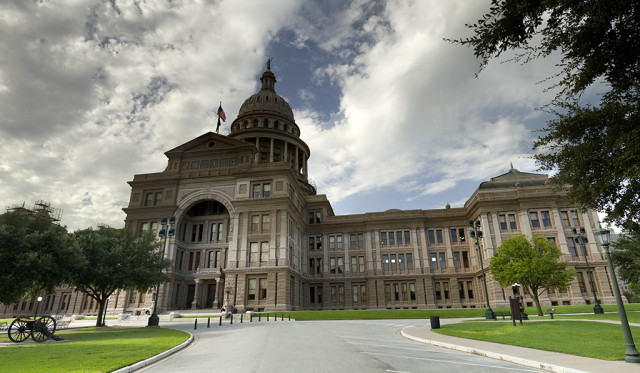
[[267, 317], [282, 317], [289, 317], [220, 321], [195, 325], [241, 317], [231, 319], [275, 316], [259, 316], [208, 321], [251, 317]]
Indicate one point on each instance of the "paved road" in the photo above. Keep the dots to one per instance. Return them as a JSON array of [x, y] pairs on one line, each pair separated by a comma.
[[318, 346]]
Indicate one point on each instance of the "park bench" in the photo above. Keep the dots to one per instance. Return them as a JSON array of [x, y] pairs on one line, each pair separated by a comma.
[[551, 311], [503, 314]]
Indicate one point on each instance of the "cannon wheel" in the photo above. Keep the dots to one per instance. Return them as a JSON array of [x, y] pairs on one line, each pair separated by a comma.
[[19, 330], [43, 328]]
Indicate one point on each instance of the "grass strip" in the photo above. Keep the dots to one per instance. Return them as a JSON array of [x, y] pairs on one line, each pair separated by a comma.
[[582, 338], [90, 350]]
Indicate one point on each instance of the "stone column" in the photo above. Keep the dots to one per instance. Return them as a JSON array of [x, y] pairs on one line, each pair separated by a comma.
[[297, 160], [216, 301], [194, 304], [271, 151], [286, 151]]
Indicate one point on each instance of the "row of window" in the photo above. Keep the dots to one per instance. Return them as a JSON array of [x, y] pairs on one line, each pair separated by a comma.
[[392, 261], [198, 233], [336, 265], [356, 241], [193, 260], [441, 289], [397, 238], [194, 165], [399, 291], [460, 260], [261, 290]]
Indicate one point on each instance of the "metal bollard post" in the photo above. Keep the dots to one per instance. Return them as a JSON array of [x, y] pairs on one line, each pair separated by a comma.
[[231, 319], [289, 317], [267, 317], [282, 317], [275, 316], [195, 325], [251, 317], [241, 317], [259, 317], [208, 321], [220, 321]]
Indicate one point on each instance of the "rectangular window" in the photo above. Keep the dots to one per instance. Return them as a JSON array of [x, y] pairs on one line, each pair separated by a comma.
[[354, 264], [361, 264], [339, 242], [465, 259], [312, 243], [572, 247], [312, 267], [334, 295], [332, 265], [401, 262], [387, 292], [220, 231], [263, 288], [360, 240], [574, 218], [469, 290], [392, 239], [200, 231], [454, 235], [405, 294], [264, 252], [443, 263], [461, 289], [399, 237], [266, 190], [409, 261], [266, 223], [354, 293], [456, 259], [312, 295], [332, 242], [352, 241], [340, 264], [438, 291], [564, 216], [256, 190], [253, 252], [502, 221], [385, 262], [252, 289], [581, 282], [396, 292], [190, 268], [462, 236], [512, 222], [412, 291], [439, 235], [213, 232], [319, 266], [533, 217], [445, 286], [432, 236], [363, 293], [434, 261], [315, 217], [255, 223], [393, 262], [546, 220], [383, 238]]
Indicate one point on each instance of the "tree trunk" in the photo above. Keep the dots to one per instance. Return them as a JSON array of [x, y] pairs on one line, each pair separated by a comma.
[[101, 304], [537, 301]]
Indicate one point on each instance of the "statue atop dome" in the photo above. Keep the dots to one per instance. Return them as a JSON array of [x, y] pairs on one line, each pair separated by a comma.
[[269, 63]]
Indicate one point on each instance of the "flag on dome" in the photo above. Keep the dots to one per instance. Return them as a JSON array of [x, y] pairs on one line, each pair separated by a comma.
[[222, 115]]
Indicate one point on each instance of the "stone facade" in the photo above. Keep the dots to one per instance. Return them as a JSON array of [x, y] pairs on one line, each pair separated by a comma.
[[249, 219]]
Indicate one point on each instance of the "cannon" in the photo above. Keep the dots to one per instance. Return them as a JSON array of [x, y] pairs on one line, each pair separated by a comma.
[[40, 329]]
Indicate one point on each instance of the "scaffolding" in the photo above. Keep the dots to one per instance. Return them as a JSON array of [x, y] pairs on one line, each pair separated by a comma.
[[41, 208]]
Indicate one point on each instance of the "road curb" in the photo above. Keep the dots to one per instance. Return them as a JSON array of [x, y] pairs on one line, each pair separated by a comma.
[[494, 355], [153, 359]]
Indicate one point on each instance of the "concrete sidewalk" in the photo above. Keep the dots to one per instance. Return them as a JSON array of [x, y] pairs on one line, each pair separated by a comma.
[[545, 360]]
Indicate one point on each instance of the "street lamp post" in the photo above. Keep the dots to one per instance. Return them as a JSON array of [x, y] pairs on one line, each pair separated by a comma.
[[476, 233], [154, 320], [37, 305], [632, 355], [580, 239]]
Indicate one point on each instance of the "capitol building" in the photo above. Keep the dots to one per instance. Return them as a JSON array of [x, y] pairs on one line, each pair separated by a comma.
[[251, 225]]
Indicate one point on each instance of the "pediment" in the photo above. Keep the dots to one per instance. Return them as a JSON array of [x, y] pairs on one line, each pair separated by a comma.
[[210, 142]]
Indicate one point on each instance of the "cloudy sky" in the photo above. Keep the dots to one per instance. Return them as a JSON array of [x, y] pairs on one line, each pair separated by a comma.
[[93, 92]]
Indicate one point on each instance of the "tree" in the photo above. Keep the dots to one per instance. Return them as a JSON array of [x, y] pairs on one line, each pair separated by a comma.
[[116, 259], [594, 149], [36, 255], [625, 255], [531, 263]]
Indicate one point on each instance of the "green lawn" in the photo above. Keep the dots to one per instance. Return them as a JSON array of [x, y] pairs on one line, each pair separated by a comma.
[[633, 316], [425, 314], [90, 350], [582, 338]]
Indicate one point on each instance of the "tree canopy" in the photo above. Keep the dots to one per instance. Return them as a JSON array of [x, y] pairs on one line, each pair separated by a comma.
[[534, 264], [625, 255], [36, 255], [594, 148], [116, 259]]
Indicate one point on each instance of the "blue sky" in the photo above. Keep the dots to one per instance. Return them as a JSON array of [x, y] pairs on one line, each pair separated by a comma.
[[93, 92]]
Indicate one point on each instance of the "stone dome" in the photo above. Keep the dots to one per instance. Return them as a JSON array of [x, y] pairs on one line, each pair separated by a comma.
[[266, 101]]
